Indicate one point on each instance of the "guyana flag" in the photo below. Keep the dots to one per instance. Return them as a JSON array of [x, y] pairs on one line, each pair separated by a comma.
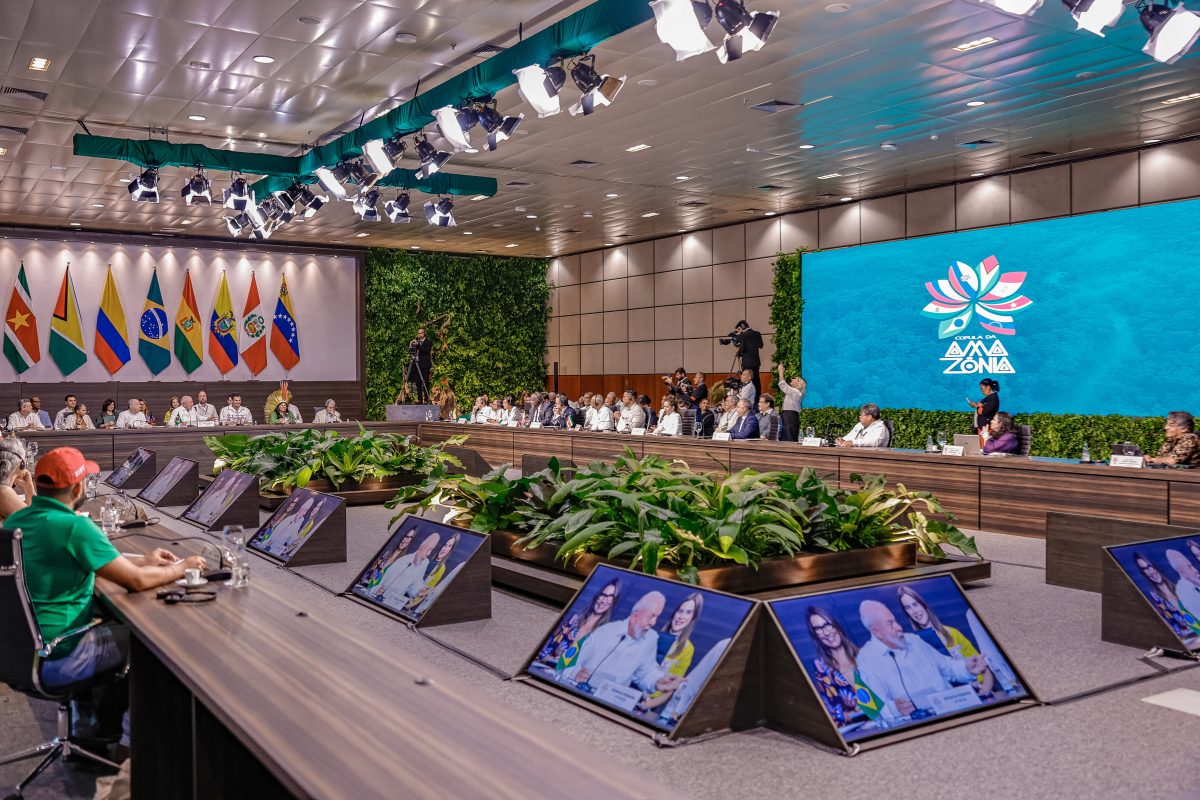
[[223, 330], [152, 330], [868, 702], [189, 342], [21, 346], [285, 332], [66, 329]]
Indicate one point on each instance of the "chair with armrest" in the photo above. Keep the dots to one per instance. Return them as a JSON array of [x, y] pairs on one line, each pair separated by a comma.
[[891, 436], [687, 424], [1025, 437], [22, 651]]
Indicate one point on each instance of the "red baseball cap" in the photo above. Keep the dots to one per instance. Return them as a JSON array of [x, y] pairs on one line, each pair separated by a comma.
[[63, 467]]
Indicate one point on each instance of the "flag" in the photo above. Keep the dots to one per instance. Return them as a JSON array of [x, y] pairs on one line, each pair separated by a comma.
[[868, 702], [112, 334], [254, 326], [21, 346], [66, 330], [153, 345], [285, 334], [222, 330], [189, 346]]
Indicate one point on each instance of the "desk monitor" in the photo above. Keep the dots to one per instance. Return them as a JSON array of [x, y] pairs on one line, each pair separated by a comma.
[[416, 566], [293, 523], [121, 475], [897, 655], [217, 498], [638, 645], [165, 481], [1166, 574], [969, 442]]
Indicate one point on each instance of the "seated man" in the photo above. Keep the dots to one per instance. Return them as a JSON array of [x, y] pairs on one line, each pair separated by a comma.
[[746, 424], [205, 411], [68, 410], [632, 413], [235, 413], [599, 417], [541, 408], [63, 553], [869, 432], [24, 418], [728, 413], [768, 416], [328, 414], [1182, 445], [132, 417], [624, 652], [651, 414], [185, 415], [43, 417], [706, 420]]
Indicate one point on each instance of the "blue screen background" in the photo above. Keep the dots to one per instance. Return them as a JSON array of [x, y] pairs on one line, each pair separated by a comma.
[[1109, 330]]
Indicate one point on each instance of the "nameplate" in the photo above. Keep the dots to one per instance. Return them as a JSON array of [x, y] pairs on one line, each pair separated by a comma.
[[206, 423], [1136, 462], [812, 441], [462, 422], [952, 449], [620, 696], [512, 423], [535, 425], [722, 436], [637, 431]]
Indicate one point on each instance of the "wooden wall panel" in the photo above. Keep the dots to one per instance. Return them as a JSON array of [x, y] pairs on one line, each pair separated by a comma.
[[589, 447], [1016, 501], [1184, 506], [711, 457], [955, 485], [764, 457]]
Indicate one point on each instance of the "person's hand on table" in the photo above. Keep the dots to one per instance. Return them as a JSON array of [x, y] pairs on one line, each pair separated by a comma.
[[159, 557], [192, 562], [905, 707]]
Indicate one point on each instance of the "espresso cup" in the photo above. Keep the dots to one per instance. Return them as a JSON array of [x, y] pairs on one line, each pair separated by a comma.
[[191, 575]]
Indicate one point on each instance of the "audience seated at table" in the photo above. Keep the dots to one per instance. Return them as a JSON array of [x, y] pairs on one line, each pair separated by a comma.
[[651, 415], [79, 421], [68, 410], [669, 422], [1001, 437], [632, 415], [328, 414], [282, 415], [868, 432], [24, 418], [728, 413], [560, 414], [766, 414], [510, 414], [235, 413], [205, 411], [43, 417], [132, 417], [746, 424], [107, 418], [706, 420], [185, 415], [14, 477], [599, 417], [1182, 446]]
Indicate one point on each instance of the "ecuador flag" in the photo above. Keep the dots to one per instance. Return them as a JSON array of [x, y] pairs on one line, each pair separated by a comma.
[[222, 331], [189, 346], [112, 334], [152, 335], [21, 346], [868, 702], [285, 333], [254, 329], [66, 330]]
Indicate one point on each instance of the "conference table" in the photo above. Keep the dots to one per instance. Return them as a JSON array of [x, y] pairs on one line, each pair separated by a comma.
[[1000, 494], [262, 695]]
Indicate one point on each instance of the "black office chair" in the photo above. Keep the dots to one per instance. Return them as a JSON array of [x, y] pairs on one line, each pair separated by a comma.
[[774, 428], [891, 429], [687, 426], [1025, 437], [21, 653]]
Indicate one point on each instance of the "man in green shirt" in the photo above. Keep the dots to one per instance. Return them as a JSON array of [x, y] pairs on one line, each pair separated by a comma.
[[63, 553]]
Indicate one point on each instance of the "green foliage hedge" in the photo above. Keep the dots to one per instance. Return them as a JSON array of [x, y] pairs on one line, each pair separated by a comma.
[[1054, 435], [786, 307], [487, 317]]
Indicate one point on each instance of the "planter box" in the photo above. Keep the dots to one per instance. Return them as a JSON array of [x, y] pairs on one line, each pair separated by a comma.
[[355, 493], [775, 573]]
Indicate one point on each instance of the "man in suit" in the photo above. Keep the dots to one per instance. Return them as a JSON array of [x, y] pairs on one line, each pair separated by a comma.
[[699, 390], [749, 342], [541, 408], [424, 364], [746, 424]]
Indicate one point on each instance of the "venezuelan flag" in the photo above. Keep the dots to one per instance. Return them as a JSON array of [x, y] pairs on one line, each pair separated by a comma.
[[285, 333], [66, 330], [868, 702], [152, 333], [189, 346], [222, 331], [112, 337]]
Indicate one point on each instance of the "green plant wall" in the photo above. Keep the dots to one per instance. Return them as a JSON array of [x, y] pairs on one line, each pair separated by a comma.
[[786, 308], [487, 317]]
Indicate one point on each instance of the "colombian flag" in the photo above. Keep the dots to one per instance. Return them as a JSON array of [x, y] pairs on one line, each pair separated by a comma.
[[868, 702], [66, 330], [222, 331], [254, 329], [112, 336], [152, 335], [189, 346], [20, 327], [285, 334]]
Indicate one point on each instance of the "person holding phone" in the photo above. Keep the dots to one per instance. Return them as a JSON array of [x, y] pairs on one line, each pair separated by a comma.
[[987, 406]]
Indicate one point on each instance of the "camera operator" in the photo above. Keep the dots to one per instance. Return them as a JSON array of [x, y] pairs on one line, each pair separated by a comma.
[[748, 342], [420, 363], [679, 385]]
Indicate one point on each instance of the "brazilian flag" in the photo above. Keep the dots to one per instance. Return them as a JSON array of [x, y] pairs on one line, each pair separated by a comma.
[[868, 702]]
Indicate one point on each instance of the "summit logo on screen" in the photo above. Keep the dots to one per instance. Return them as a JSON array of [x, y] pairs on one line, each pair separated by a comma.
[[980, 295]]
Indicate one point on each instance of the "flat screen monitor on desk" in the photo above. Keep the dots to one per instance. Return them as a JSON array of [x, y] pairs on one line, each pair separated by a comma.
[[217, 498], [164, 481], [969, 442], [1166, 573], [293, 522], [132, 464]]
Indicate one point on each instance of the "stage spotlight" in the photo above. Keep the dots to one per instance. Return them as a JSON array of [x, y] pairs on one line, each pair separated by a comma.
[[439, 213], [366, 205], [540, 87], [1022, 8], [455, 125], [363, 175], [197, 190], [308, 202], [144, 188], [1172, 31], [432, 159], [258, 221], [239, 195], [397, 210], [331, 179], [237, 224], [745, 31], [1095, 15], [597, 89], [498, 126], [680, 24], [383, 156]]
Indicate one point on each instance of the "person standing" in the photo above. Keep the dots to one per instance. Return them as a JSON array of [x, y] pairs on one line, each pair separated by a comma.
[[793, 401], [699, 390], [205, 411], [421, 349], [987, 406], [749, 344], [749, 391]]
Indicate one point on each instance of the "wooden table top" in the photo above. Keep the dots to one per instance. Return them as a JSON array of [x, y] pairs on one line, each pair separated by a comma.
[[333, 714]]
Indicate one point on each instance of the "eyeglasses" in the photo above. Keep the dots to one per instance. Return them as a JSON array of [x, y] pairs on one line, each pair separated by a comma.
[[824, 628]]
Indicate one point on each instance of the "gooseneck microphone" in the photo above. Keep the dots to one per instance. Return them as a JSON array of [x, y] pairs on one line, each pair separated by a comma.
[[586, 686], [917, 713]]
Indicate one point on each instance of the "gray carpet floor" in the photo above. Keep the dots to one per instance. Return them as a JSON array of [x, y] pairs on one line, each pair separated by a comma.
[[1108, 744]]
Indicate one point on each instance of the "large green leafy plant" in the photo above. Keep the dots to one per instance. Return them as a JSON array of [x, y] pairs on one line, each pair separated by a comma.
[[284, 460], [658, 513], [787, 306]]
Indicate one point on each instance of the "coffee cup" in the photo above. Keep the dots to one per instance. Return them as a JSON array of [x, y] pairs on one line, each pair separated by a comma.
[[191, 575]]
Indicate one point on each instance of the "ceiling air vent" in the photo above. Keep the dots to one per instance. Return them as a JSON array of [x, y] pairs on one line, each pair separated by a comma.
[[486, 50], [770, 187], [773, 106], [584, 164], [35, 94], [13, 129], [1039, 154], [976, 144], [692, 204], [518, 184], [199, 65]]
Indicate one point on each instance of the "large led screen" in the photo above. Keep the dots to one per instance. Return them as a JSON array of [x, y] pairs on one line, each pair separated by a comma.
[[165, 481], [119, 476], [1167, 574], [293, 522], [218, 497]]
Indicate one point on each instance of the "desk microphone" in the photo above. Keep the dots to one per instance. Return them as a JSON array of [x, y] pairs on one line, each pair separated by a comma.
[[586, 686], [917, 713], [825, 436], [215, 575]]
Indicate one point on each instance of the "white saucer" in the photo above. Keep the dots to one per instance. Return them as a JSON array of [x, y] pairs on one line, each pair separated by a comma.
[[183, 582]]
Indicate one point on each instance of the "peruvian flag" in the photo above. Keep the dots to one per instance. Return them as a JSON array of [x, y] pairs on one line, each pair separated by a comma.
[[254, 331]]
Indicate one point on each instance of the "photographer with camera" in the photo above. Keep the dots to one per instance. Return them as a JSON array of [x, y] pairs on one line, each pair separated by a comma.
[[420, 363], [748, 342], [679, 385]]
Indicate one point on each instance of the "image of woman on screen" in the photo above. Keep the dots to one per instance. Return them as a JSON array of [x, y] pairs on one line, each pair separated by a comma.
[[945, 639], [436, 573], [308, 523], [678, 660], [834, 669], [563, 654], [1162, 596], [406, 576], [373, 574], [288, 528]]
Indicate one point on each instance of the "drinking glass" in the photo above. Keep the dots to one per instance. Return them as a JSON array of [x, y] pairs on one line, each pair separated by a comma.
[[429, 416], [93, 486], [233, 548], [31, 451], [110, 518], [810, 432], [941, 438]]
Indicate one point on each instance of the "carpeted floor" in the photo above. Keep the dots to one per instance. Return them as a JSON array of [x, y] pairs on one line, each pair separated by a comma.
[[1106, 745]]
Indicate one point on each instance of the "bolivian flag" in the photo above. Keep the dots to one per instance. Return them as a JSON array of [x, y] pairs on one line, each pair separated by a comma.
[[112, 334], [868, 702], [189, 344], [222, 331], [285, 333], [21, 346], [153, 346], [66, 329]]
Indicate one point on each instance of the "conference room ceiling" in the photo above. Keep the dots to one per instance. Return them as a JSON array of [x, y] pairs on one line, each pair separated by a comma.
[[879, 97]]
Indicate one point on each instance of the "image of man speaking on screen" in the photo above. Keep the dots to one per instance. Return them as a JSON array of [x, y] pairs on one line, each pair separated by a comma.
[[905, 672], [623, 653]]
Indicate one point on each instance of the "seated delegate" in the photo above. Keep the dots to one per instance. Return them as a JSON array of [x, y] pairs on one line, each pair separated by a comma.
[[235, 413], [869, 432], [133, 417], [669, 422], [24, 418], [1001, 438], [1182, 446], [13, 476], [328, 414], [745, 425]]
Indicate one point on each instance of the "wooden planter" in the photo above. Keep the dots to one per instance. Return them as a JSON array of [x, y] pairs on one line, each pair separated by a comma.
[[356, 493], [775, 573]]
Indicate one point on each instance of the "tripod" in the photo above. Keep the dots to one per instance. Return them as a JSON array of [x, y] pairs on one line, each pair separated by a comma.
[[419, 385]]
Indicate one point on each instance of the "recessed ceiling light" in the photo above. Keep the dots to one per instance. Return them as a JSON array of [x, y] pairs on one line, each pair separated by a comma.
[[480, 197], [76, 224], [976, 174], [612, 194], [647, 82], [1181, 99], [531, 216], [828, 176], [227, 90], [404, 37], [976, 103], [636, 148], [683, 230], [588, 215], [361, 235], [650, 214], [1153, 141], [97, 205], [769, 214], [309, 20], [262, 135], [3, 151], [510, 245], [39, 64], [186, 222], [976, 44], [471, 150], [847, 199], [837, 8], [683, 177], [197, 117], [264, 60], [807, 146], [468, 233]]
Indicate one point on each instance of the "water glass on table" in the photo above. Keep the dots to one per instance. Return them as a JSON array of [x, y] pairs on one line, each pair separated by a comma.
[[110, 518], [93, 486], [233, 548]]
